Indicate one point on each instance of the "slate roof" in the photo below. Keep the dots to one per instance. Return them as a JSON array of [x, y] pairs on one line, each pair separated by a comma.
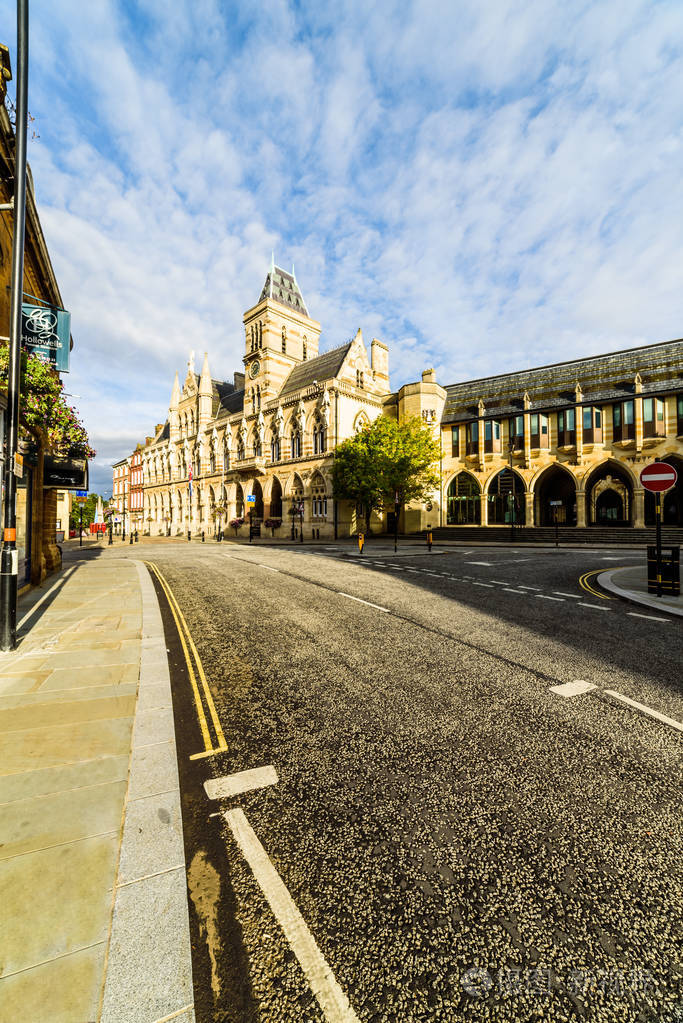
[[603, 378], [231, 401], [284, 290], [323, 367]]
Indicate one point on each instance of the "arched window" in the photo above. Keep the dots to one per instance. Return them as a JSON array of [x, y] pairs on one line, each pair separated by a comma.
[[240, 449], [296, 442], [226, 453], [305, 348], [258, 450], [212, 459], [319, 436], [275, 449], [284, 339], [319, 498]]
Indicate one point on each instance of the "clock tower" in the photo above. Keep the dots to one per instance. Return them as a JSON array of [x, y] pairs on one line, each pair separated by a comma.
[[279, 333]]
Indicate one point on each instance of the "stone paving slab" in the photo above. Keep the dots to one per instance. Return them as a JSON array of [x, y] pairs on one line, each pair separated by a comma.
[[85, 817]]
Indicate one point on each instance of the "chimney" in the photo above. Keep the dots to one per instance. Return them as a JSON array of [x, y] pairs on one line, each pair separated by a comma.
[[239, 381]]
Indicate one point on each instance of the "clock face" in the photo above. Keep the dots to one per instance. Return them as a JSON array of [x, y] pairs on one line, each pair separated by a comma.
[[254, 368]]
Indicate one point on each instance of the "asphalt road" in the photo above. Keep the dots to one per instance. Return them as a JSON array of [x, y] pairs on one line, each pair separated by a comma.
[[461, 842]]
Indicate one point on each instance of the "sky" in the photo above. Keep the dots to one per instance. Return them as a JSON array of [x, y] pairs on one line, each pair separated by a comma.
[[483, 186]]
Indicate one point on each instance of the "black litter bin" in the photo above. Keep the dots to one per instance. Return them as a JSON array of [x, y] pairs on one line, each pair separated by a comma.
[[671, 571]]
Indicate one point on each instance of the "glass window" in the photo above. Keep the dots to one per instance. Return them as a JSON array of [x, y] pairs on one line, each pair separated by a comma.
[[587, 418], [648, 410], [560, 422], [660, 410], [570, 419], [616, 416], [534, 423], [488, 430], [455, 442], [598, 419], [628, 412], [544, 425]]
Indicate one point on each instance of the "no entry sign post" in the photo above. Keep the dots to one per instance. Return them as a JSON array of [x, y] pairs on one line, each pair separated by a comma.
[[657, 478]]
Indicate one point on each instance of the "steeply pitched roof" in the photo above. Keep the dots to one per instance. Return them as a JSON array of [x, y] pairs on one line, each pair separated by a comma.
[[284, 290], [231, 402], [605, 378], [323, 367]]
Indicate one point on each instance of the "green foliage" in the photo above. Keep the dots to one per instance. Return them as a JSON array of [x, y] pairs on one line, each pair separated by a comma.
[[385, 459], [89, 508], [42, 406]]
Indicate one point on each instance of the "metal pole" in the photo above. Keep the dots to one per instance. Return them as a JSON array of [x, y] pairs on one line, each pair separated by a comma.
[[396, 507], [658, 510], [9, 559], [80, 527]]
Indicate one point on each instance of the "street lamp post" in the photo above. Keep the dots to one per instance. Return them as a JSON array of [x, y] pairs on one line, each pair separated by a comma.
[[9, 558]]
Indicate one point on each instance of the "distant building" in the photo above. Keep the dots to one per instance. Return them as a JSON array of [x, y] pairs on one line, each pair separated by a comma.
[[135, 490], [564, 442], [119, 495]]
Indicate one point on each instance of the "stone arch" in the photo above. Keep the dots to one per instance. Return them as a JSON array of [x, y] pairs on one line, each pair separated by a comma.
[[554, 483], [463, 500], [361, 421], [257, 508], [275, 498], [505, 494], [609, 494]]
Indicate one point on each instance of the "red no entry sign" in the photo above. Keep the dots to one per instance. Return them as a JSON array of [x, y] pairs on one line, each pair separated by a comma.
[[658, 477]]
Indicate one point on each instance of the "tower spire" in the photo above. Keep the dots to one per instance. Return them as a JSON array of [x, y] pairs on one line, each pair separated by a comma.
[[272, 272]]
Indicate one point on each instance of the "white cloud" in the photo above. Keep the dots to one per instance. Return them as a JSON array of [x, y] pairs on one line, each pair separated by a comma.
[[483, 186]]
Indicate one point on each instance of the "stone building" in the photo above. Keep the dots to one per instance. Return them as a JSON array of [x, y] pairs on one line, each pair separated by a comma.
[[264, 442], [561, 443], [567, 440]]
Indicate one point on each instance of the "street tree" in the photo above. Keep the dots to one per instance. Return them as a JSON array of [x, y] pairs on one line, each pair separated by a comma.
[[386, 463]]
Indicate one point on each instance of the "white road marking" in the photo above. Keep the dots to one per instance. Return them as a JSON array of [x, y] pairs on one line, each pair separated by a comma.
[[244, 781], [574, 596], [646, 710], [499, 583], [508, 590], [361, 601], [487, 564], [42, 600], [489, 586], [268, 567], [650, 618], [522, 587], [425, 572], [596, 607], [542, 596], [412, 570], [573, 688], [331, 998]]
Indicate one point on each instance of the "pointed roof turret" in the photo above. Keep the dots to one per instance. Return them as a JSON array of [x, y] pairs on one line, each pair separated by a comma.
[[282, 287], [175, 393], [205, 386]]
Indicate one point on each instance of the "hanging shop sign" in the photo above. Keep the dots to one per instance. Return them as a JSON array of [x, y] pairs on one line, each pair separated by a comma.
[[46, 331], [65, 473]]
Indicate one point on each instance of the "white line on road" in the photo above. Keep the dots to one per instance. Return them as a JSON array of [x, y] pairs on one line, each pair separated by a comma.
[[596, 607], [361, 601], [646, 710], [498, 582], [650, 618], [331, 998], [268, 567], [522, 587], [489, 586], [509, 590], [573, 688], [542, 596], [244, 781], [574, 596], [412, 570], [487, 564]]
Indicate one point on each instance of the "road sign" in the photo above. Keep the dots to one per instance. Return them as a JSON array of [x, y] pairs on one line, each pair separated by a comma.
[[555, 504], [251, 498], [658, 477], [80, 500], [81, 493]]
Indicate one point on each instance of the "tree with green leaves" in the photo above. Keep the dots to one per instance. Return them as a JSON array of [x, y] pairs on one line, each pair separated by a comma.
[[89, 507], [386, 463]]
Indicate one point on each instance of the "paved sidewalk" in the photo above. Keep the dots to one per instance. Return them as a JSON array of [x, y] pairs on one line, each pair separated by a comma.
[[631, 583], [92, 869]]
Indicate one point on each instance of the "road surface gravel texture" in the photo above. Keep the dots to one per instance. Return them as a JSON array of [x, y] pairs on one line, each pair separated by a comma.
[[463, 843]]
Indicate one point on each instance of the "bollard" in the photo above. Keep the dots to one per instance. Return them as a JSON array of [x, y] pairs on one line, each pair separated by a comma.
[[202, 536], [137, 538], [189, 536], [361, 542], [429, 537], [131, 537]]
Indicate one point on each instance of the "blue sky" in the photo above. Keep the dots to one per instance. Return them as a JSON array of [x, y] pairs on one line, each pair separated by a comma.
[[483, 186]]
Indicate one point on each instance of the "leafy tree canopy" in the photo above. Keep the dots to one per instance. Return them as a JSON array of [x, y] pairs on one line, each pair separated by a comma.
[[42, 406], [384, 459], [89, 507]]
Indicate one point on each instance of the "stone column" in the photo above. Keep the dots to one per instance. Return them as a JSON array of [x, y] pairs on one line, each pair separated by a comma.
[[638, 514], [529, 502], [484, 501], [638, 417], [580, 509], [51, 552]]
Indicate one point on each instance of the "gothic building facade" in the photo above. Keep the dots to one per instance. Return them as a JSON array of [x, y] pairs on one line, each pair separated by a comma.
[[562, 443]]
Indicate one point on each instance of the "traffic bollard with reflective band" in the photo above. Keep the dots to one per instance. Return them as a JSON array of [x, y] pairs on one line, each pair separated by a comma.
[[361, 542]]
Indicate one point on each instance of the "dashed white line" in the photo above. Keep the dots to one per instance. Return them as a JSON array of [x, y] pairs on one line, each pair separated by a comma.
[[489, 586], [244, 781], [596, 607], [573, 688], [521, 592], [543, 596], [267, 566], [331, 998], [646, 710], [574, 596], [487, 564], [361, 601], [522, 587], [650, 618], [499, 582]]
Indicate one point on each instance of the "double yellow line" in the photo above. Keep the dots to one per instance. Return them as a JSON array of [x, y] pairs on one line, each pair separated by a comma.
[[196, 672], [585, 585]]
